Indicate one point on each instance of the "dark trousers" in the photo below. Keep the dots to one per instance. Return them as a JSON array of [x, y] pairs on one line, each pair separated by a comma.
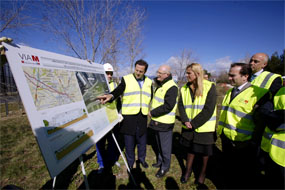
[[130, 143], [164, 143], [108, 155], [239, 164], [274, 173]]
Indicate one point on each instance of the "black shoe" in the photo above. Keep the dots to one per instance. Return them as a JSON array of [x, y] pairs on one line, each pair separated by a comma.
[[144, 164], [201, 186], [161, 173], [156, 165], [183, 179]]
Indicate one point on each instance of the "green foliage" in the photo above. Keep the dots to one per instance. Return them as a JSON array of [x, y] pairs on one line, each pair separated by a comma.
[[276, 63], [21, 163]]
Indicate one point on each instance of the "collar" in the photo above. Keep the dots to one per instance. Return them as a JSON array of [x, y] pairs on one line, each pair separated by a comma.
[[241, 86], [258, 72], [164, 81], [139, 79]]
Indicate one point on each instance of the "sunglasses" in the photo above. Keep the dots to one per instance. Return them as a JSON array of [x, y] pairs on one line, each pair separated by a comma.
[[109, 73], [254, 60]]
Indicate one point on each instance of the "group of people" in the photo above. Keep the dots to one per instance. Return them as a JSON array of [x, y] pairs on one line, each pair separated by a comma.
[[250, 124]]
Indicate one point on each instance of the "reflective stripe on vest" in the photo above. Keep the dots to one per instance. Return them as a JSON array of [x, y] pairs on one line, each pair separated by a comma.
[[265, 79], [277, 148], [192, 109], [277, 145], [136, 98], [281, 127], [236, 116], [279, 103], [158, 100]]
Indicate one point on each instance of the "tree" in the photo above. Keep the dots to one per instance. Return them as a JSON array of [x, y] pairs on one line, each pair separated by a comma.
[[92, 30], [223, 77], [180, 63], [276, 64], [12, 15], [133, 37], [12, 18], [245, 59]]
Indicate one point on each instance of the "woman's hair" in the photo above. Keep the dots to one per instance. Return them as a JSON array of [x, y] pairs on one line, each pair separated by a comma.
[[199, 72]]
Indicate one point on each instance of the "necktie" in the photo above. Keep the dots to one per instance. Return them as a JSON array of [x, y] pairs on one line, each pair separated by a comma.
[[235, 91], [252, 77]]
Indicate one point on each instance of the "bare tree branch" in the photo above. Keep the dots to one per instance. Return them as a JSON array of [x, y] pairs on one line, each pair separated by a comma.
[[134, 35], [185, 58], [94, 30], [12, 17]]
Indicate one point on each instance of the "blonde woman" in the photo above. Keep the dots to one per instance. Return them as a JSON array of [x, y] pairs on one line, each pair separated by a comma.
[[197, 108]]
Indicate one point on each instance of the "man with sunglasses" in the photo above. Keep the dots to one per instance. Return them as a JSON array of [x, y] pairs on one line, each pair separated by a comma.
[[261, 78], [108, 156], [272, 83]]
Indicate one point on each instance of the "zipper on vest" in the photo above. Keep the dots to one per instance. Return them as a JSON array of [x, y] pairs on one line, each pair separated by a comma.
[[141, 99]]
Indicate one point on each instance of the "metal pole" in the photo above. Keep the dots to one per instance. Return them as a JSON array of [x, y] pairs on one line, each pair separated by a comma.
[[84, 173], [53, 183], [133, 179]]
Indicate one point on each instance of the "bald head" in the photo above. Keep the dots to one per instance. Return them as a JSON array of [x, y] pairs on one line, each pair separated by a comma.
[[258, 61], [165, 68], [163, 72]]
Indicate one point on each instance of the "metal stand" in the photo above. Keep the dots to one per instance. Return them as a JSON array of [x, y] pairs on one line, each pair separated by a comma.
[[84, 173], [133, 179], [53, 183]]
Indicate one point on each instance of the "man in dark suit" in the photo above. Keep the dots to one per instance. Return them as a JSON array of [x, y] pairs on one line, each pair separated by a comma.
[[272, 83], [136, 91], [237, 128]]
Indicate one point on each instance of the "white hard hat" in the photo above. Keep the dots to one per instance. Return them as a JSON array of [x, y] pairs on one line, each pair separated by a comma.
[[108, 67]]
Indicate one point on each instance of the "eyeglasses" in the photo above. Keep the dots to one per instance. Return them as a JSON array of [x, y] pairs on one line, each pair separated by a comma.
[[160, 73], [254, 60], [109, 73]]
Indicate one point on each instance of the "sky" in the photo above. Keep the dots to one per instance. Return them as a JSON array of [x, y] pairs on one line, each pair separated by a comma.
[[217, 32]]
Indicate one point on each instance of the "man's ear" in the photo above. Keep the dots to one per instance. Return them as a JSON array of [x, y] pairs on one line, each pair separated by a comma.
[[265, 64]]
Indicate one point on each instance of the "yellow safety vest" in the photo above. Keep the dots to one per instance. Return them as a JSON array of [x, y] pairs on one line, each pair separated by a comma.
[[265, 141], [277, 143], [112, 105], [277, 148], [236, 117], [136, 98], [192, 109], [265, 79], [158, 100]]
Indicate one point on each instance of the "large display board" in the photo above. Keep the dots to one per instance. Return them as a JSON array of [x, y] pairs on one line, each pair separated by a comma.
[[59, 95]]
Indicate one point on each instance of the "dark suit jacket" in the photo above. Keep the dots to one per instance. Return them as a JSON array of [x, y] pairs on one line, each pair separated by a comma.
[[130, 123]]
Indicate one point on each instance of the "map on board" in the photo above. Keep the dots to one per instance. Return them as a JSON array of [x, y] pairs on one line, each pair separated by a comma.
[[52, 87], [91, 86], [59, 95]]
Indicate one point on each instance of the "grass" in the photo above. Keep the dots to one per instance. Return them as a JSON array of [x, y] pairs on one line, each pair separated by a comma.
[[22, 165]]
